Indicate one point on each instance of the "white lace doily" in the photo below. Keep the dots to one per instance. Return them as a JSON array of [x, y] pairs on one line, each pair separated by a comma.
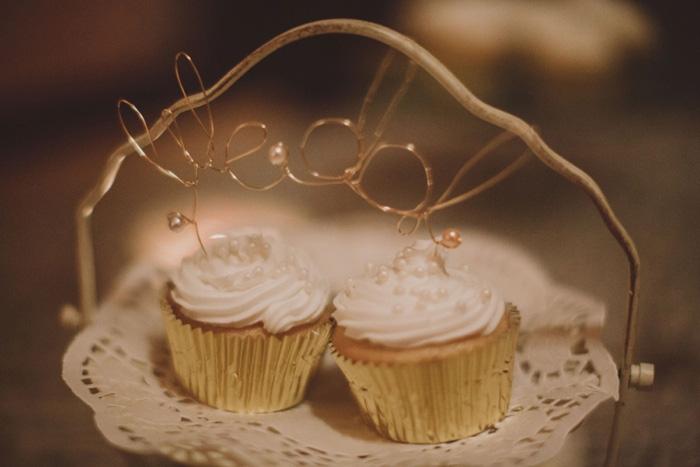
[[120, 366]]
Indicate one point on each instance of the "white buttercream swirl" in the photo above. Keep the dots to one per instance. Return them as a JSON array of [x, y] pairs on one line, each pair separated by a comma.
[[417, 301], [248, 277]]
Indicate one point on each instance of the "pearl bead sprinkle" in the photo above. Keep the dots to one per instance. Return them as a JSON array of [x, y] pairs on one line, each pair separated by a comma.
[[251, 249], [485, 295], [433, 267], [278, 155], [222, 251], [451, 238]]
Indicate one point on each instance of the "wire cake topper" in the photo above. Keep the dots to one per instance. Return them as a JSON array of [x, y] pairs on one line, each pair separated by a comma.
[[368, 148], [278, 154]]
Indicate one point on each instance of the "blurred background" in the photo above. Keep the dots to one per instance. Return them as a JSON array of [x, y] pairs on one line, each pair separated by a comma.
[[611, 85]]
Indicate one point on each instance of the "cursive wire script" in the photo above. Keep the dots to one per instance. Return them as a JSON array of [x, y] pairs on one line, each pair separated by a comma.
[[370, 145]]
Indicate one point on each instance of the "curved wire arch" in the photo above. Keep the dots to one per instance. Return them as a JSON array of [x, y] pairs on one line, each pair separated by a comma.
[[422, 58]]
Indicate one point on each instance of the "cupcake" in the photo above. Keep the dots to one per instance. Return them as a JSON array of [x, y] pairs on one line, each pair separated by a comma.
[[427, 350], [247, 322]]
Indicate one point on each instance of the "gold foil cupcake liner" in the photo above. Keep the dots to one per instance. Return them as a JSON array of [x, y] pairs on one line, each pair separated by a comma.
[[243, 373], [438, 400]]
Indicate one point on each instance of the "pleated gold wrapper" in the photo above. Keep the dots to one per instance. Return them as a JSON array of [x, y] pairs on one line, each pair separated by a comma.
[[246, 374], [436, 400]]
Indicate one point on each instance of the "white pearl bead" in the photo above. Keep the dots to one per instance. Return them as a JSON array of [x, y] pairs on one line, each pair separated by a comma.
[[485, 295], [433, 267], [177, 221], [451, 238], [278, 155], [222, 251]]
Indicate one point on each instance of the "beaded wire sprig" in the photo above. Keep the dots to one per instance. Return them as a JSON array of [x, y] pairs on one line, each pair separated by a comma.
[[369, 147], [423, 59]]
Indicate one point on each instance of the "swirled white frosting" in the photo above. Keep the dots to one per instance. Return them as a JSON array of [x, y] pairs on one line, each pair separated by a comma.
[[250, 277], [417, 301]]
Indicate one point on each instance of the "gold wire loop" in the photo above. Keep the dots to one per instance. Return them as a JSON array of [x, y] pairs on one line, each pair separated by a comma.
[[393, 104], [348, 172], [427, 169], [208, 127], [233, 158], [149, 137], [239, 128], [399, 225]]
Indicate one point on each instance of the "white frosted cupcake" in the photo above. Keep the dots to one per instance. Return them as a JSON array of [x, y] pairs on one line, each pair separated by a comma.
[[247, 322], [428, 351]]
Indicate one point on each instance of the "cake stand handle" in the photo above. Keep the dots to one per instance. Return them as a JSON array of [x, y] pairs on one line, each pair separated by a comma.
[[504, 120]]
